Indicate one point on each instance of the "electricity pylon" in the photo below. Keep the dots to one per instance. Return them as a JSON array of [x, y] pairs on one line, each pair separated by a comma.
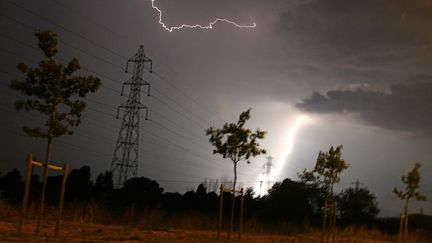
[[124, 164], [268, 166]]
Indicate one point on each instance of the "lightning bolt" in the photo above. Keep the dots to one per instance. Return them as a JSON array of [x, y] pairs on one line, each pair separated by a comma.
[[209, 26], [299, 122]]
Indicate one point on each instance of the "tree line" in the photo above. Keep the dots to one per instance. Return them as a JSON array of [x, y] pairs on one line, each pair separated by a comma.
[[287, 200]]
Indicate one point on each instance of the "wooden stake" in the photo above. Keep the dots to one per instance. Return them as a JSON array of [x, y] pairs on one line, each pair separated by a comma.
[[241, 191], [220, 210], [403, 227], [334, 223], [329, 223], [44, 185], [26, 191], [323, 235], [241, 214], [61, 200], [406, 227]]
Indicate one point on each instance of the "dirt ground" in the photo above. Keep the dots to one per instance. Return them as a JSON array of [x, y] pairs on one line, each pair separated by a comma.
[[71, 232]]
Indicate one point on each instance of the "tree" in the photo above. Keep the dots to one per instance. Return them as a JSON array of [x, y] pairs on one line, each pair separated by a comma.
[[357, 205], [141, 191], [53, 91], [237, 143], [324, 176], [11, 186], [103, 186], [326, 172], [412, 184], [288, 200], [79, 185]]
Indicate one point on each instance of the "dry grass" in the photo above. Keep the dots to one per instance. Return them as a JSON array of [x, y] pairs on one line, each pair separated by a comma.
[[95, 224], [82, 232]]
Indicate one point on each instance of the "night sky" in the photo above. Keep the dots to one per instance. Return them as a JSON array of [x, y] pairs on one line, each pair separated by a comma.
[[316, 73]]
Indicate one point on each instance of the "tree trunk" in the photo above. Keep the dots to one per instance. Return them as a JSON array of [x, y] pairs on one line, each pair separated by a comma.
[[406, 207], [333, 215], [331, 194], [406, 219], [233, 202], [44, 184]]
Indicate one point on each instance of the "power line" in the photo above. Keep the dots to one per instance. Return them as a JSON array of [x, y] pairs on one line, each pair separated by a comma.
[[88, 19], [60, 58], [190, 85], [167, 141], [176, 133], [17, 55], [176, 124], [153, 112], [176, 110], [102, 47], [118, 66], [92, 55], [180, 91], [78, 148], [65, 29], [66, 145]]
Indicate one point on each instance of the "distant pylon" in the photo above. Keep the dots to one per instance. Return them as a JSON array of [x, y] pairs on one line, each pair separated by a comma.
[[124, 164], [268, 166]]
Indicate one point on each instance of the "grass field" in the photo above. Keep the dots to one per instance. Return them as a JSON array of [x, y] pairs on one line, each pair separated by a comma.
[[81, 232], [156, 226]]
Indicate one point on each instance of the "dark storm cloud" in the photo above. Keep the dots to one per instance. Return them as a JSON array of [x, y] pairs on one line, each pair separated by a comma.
[[204, 11], [357, 26], [361, 41], [406, 107]]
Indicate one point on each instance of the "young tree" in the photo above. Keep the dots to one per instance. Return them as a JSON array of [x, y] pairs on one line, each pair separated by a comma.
[[53, 91], [237, 143], [412, 184], [324, 176], [326, 172]]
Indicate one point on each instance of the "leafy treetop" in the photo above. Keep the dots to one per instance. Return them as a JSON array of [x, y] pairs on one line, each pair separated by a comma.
[[412, 184], [235, 142], [327, 169], [53, 89]]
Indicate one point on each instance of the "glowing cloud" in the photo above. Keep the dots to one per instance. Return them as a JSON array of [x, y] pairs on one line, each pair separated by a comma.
[[209, 26]]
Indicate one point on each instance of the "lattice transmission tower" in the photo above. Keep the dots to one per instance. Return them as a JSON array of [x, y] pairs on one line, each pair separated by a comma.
[[268, 166], [124, 164]]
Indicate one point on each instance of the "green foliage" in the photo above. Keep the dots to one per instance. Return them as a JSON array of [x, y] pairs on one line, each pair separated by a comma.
[[53, 90], [357, 205], [327, 169], [412, 184], [235, 142]]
